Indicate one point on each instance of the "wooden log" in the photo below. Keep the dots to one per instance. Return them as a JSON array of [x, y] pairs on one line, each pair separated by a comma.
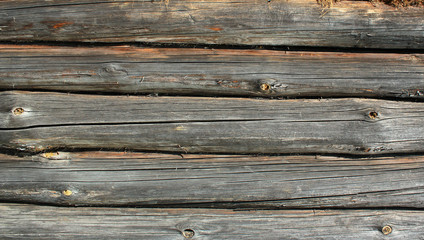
[[250, 22], [224, 181], [43, 222], [32, 121], [262, 73], [39, 121]]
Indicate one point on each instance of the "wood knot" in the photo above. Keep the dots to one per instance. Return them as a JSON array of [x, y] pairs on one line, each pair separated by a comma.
[[373, 115], [265, 87], [386, 230], [18, 111], [67, 192], [188, 233]]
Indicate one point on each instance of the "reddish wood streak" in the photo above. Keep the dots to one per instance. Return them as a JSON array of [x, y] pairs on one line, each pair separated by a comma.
[[59, 25], [215, 29]]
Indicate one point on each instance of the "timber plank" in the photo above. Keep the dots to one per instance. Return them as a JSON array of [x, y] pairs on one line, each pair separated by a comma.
[[32, 121], [133, 70], [224, 181], [248, 22], [43, 222]]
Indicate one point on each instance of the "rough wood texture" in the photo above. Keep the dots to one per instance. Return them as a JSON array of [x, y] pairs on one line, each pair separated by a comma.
[[230, 181], [263, 73], [251, 22], [39, 121], [41, 222]]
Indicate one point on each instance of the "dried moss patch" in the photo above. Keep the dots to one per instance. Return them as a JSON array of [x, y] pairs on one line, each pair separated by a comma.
[[404, 3], [394, 3]]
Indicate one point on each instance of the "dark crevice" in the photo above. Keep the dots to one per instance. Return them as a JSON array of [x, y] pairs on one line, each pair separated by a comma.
[[66, 4], [237, 206], [213, 46], [173, 122], [353, 156], [139, 123], [211, 95], [14, 152]]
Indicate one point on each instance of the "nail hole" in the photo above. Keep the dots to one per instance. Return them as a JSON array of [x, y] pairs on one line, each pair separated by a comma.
[[67, 192], [373, 115], [386, 230], [188, 233], [265, 87], [18, 111]]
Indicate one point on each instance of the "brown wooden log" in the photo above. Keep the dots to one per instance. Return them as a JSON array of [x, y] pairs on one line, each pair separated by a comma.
[[249, 22], [223, 181], [35, 122], [211, 72], [43, 222]]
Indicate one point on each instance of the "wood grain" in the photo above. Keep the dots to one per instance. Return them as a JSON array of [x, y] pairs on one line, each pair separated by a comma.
[[32, 121], [42, 222], [211, 72], [249, 22], [224, 181]]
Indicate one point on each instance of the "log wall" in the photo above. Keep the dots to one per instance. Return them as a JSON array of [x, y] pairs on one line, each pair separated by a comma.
[[211, 120]]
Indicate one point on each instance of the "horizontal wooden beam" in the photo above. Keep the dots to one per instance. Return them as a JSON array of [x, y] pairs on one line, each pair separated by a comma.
[[249, 22], [223, 181], [211, 72], [42, 222], [32, 121]]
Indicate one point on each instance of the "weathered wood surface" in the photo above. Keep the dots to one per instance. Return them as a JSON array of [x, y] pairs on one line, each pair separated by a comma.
[[250, 22], [224, 181], [213, 72], [34, 121], [43, 222]]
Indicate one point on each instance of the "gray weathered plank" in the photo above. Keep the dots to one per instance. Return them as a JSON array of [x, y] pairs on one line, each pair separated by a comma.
[[230, 181], [34, 121], [43, 222], [250, 22], [213, 72]]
